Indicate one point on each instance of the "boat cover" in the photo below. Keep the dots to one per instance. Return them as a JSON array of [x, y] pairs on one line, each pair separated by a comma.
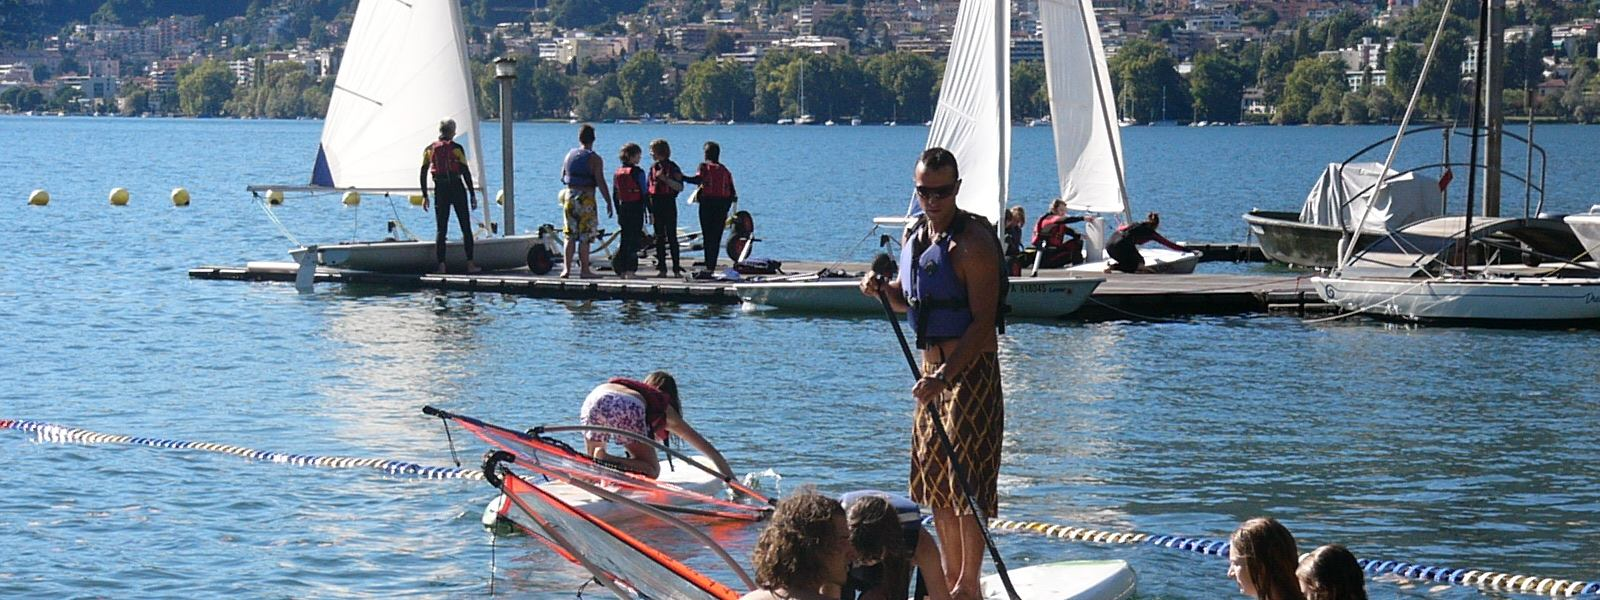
[[1343, 192]]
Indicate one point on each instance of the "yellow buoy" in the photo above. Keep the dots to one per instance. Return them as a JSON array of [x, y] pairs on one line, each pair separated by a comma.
[[180, 197], [39, 198], [274, 197], [500, 198], [416, 199], [351, 198], [119, 196]]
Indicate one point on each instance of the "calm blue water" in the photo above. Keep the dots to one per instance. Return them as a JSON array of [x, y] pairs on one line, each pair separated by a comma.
[[1452, 446]]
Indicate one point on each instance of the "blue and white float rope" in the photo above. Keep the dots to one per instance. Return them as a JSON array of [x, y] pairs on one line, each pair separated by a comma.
[[1492, 580], [50, 432]]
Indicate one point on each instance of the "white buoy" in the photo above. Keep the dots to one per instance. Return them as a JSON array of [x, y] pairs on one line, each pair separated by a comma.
[[39, 198], [180, 197], [119, 196], [352, 198], [500, 198], [416, 199], [274, 197]]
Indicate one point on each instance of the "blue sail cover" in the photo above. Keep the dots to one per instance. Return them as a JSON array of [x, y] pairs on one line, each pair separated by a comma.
[[320, 174]]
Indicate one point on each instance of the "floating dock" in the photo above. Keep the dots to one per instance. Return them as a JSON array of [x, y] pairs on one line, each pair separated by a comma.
[[1122, 296]]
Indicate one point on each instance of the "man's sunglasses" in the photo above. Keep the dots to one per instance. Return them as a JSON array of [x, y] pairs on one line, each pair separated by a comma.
[[937, 193]]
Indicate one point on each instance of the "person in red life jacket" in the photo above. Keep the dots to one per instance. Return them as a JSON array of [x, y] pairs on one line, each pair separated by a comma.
[[949, 284], [649, 408], [1060, 245], [1123, 248], [716, 197], [628, 185], [666, 180], [452, 182], [583, 172]]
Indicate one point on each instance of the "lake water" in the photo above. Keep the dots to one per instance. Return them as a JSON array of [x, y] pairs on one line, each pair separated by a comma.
[[1444, 446]]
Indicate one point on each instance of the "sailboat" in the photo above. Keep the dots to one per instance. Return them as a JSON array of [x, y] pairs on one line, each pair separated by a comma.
[[404, 69], [1088, 139], [1467, 268], [1587, 228], [973, 121], [805, 118]]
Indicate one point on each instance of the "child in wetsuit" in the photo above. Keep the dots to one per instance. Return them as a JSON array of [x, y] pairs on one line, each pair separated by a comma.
[[666, 180]]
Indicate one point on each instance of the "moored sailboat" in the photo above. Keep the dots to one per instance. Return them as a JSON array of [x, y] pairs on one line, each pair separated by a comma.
[[404, 69]]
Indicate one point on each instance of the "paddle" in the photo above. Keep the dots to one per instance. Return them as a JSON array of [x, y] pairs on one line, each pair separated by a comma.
[[883, 268]]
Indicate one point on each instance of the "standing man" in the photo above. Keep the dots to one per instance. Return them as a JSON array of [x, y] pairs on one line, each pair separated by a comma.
[[949, 281], [447, 161], [583, 171]]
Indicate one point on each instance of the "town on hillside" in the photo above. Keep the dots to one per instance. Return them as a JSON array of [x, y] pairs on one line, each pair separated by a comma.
[[873, 61]]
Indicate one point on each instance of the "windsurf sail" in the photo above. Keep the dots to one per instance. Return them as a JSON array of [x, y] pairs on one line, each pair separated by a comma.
[[558, 461], [627, 566]]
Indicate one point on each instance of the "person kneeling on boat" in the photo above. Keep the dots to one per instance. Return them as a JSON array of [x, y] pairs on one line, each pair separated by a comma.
[[805, 552], [1124, 245], [889, 540], [1056, 241], [649, 408]]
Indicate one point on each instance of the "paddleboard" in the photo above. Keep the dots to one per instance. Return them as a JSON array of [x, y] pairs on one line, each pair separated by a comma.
[[1066, 580]]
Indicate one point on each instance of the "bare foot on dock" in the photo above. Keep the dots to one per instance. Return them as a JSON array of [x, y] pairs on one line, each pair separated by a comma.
[[473, 267], [565, 274], [441, 269]]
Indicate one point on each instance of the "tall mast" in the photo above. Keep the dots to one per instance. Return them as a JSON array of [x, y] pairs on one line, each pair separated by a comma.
[[1477, 121], [1493, 81]]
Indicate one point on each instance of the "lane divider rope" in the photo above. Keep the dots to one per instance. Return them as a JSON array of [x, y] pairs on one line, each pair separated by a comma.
[[50, 432], [1492, 580]]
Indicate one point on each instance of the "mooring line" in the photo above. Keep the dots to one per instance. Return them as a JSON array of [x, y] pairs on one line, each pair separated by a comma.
[[51, 432], [1492, 580]]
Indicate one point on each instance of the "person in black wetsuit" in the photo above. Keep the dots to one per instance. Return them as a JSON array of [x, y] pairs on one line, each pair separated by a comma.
[[1055, 239], [1124, 245], [716, 196], [447, 161]]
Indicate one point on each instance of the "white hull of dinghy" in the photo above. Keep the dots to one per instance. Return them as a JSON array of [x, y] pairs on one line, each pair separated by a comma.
[[1164, 261], [1520, 300], [1067, 580], [684, 476], [490, 254], [1031, 297]]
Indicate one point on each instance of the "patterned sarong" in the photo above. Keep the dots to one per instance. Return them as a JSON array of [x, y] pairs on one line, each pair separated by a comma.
[[974, 415]]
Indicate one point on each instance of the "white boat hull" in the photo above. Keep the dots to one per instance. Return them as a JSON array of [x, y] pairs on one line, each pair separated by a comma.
[[1522, 300], [1587, 228], [1160, 260], [490, 254], [1067, 580], [682, 475], [1030, 297]]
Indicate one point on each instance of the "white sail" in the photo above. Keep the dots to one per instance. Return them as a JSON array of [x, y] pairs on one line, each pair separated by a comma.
[[1082, 109], [973, 119], [404, 69]]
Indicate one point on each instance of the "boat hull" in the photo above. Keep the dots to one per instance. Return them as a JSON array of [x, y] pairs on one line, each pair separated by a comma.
[[499, 510], [1162, 261], [1067, 580], [1524, 300], [1587, 228], [490, 254], [1032, 297], [1283, 238]]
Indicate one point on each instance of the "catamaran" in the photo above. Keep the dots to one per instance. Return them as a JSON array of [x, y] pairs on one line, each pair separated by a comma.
[[973, 121], [403, 70]]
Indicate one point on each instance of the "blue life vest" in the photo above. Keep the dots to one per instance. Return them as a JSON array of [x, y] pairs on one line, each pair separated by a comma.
[[938, 299], [575, 169]]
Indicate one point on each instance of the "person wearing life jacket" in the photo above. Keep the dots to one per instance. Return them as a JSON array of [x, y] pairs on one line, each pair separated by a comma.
[[1060, 245], [583, 172], [1123, 247], [949, 281], [446, 161], [716, 197], [649, 408], [890, 543], [628, 186], [666, 180]]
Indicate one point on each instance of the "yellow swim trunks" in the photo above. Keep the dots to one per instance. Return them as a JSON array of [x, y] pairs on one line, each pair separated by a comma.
[[578, 214]]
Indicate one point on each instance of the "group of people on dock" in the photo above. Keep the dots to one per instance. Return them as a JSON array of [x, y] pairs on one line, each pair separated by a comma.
[[1055, 244], [639, 197]]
